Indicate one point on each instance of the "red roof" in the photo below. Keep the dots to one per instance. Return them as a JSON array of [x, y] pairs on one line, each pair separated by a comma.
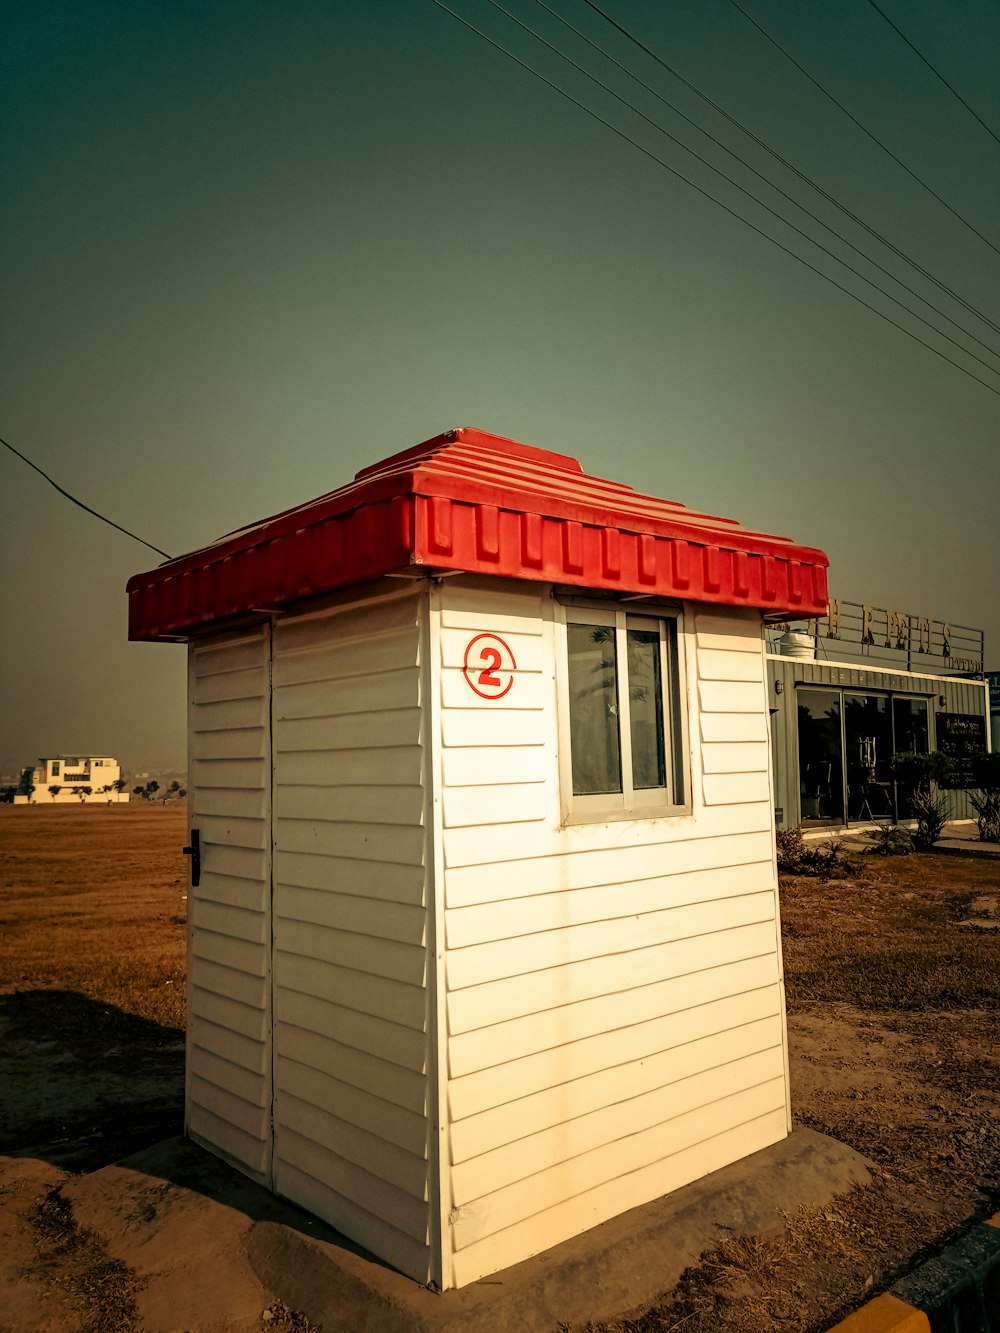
[[472, 501]]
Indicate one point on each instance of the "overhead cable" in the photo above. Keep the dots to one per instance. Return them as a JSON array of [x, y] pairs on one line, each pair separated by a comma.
[[743, 190], [706, 194], [863, 128], [933, 69], [760, 176], [745, 129], [80, 503]]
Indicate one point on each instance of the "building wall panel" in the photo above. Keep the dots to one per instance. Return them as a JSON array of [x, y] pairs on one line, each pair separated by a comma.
[[350, 924], [219, 1131], [229, 1027], [391, 1083], [503, 1246], [475, 964], [361, 1189], [361, 734], [733, 727], [386, 762], [233, 1112], [616, 1157], [231, 919], [473, 1135], [553, 987], [540, 912], [614, 1005], [230, 1012], [484, 1058], [390, 881], [472, 766], [352, 1217], [574, 1135], [734, 756], [360, 1107], [601, 866], [736, 788]]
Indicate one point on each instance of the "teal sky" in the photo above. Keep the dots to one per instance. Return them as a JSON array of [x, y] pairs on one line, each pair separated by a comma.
[[247, 249]]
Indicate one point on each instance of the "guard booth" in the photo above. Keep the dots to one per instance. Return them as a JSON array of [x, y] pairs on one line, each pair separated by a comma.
[[484, 936]]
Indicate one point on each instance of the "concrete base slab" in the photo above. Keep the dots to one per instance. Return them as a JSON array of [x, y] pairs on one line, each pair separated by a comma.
[[212, 1248]]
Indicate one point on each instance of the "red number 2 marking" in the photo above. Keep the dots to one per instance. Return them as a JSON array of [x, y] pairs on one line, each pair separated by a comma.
[[487, 677], [492, 677]]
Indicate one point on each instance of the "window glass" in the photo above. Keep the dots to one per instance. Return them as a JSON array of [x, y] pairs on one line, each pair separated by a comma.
[[593, 709], [911, 735], [821, 775], [674, 686], [623, 755], [867, 754], [909, 720], [645, 697]]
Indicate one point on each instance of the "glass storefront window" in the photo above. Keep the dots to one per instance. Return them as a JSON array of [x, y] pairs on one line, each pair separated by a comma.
[[821, 766], [912, 736], [910, 726], [846, 742], [868, 749]]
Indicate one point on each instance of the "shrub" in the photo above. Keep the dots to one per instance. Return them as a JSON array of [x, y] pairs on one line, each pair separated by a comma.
[[826, 860], [919, 772], [890, 840], [917, 777], [986, 797], [930, 809]]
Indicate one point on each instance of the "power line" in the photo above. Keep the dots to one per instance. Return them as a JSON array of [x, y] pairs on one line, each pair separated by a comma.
[[748, 193], [760, 175], [698, 92], [936, 72], [705, 193], [80, 503], [863, 128]]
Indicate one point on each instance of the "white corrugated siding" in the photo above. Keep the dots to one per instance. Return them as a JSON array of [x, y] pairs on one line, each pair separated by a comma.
[[614, 1001], [350, 925], [229, 1026]]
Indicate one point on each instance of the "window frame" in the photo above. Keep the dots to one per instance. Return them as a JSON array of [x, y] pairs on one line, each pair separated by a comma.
[[630, 803]]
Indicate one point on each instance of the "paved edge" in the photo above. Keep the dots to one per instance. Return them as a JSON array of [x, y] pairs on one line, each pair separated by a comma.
[[962, 1283], [885, 1314]]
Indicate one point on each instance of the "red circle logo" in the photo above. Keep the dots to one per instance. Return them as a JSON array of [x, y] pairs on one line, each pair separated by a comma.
[[489, 666]]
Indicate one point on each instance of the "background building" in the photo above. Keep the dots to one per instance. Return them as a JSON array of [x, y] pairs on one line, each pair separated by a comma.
[[853, 688], [87, 779], [993, 680]]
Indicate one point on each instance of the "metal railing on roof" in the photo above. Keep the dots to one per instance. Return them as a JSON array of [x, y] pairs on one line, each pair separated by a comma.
[[860, 634]]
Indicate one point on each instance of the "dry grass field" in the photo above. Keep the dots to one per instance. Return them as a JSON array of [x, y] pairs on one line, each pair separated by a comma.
[[92, 899], [93, 910], [893, 982]]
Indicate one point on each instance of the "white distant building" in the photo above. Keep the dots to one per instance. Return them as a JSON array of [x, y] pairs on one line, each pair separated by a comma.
[[71, 774]]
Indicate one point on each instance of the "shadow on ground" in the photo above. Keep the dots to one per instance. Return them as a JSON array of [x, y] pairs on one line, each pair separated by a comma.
[[84, 1083]]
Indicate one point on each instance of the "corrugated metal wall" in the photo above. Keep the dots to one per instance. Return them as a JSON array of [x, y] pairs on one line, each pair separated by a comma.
[[961, 696], [614, 1001]]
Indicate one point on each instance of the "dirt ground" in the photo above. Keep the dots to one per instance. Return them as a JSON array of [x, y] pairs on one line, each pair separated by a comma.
[[893, 981], [893, 992]]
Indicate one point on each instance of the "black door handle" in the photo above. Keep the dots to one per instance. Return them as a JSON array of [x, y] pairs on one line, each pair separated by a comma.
[[194, 851]]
